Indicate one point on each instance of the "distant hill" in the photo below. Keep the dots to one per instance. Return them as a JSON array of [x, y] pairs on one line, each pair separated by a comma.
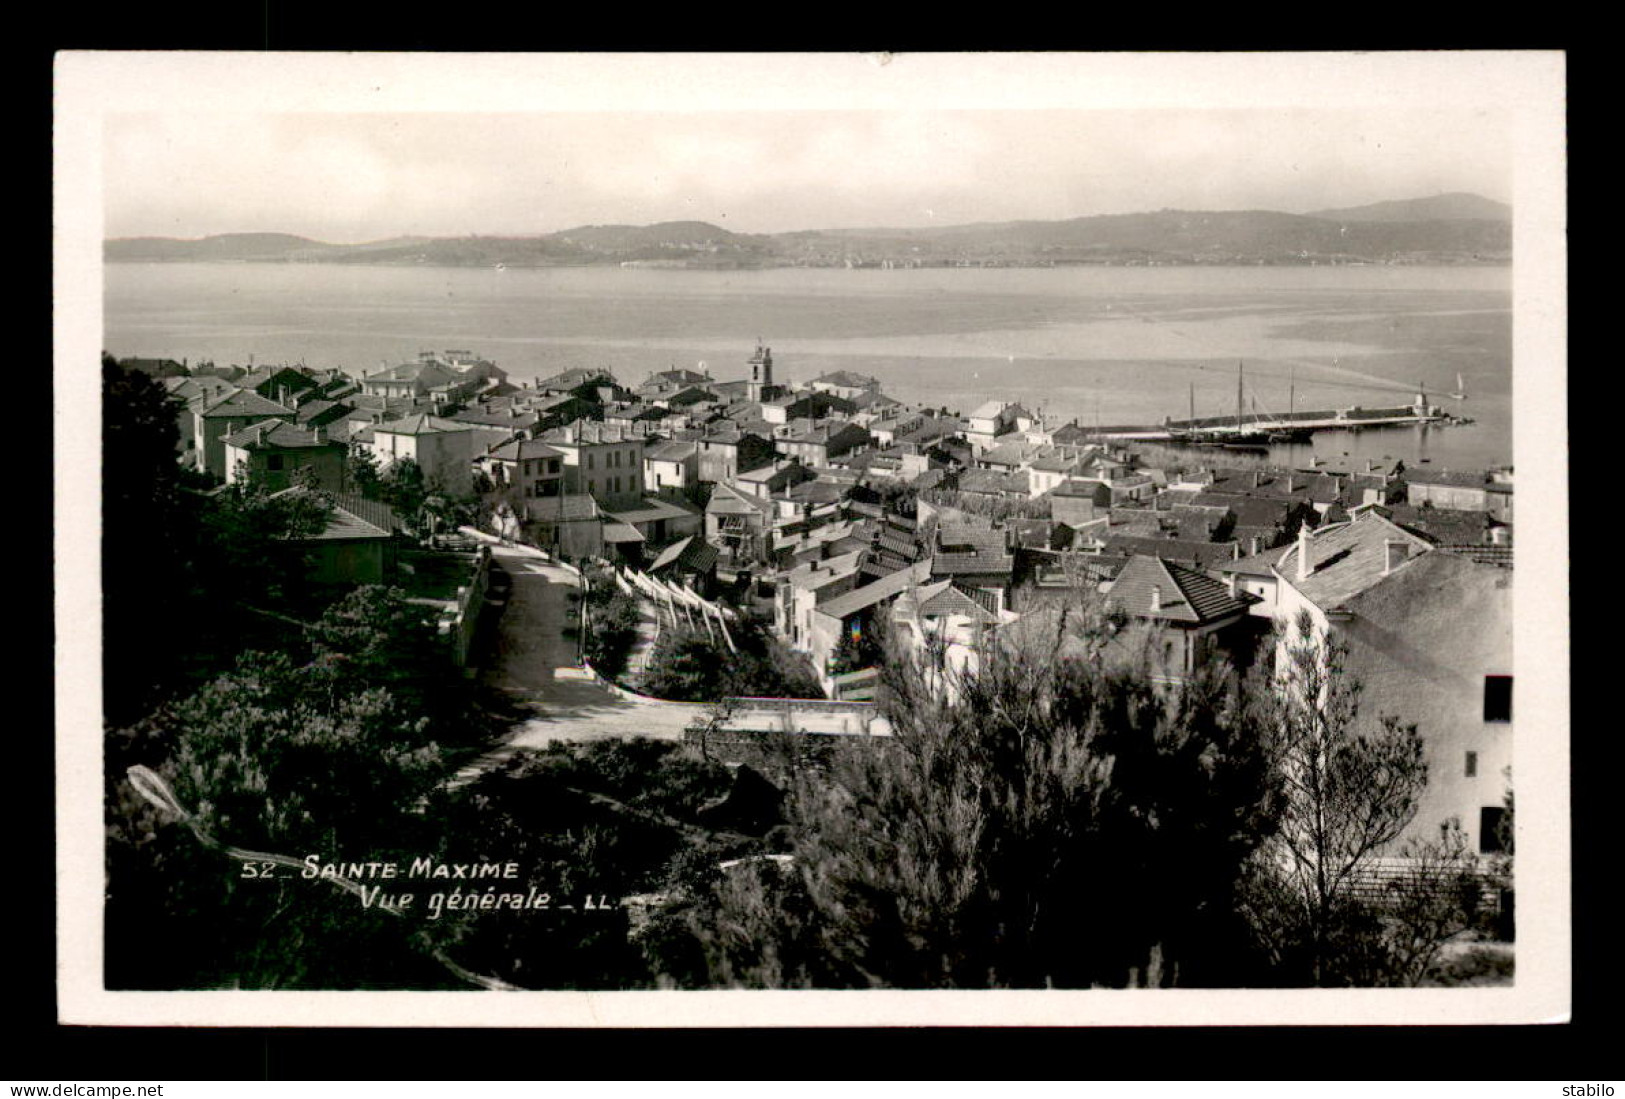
[[234, 246], [1442, 229], [1456, 206], [1178, 236]]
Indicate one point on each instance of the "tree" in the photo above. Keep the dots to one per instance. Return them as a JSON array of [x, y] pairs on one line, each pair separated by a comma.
[[861, 648], [248, 542], [145, 519], [687, 664], [364, 473], [973, 848], [341, 746], [1351, 788], [606, 819]]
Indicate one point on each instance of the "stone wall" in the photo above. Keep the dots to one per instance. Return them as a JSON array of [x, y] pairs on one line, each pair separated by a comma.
[[460, 622]]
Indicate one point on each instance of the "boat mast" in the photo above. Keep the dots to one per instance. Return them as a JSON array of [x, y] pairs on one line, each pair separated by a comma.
[[1238, 396]]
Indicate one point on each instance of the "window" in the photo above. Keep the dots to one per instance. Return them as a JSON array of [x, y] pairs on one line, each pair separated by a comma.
[[589, 461], [1471, 769], [1490, 819], [1498, 698]]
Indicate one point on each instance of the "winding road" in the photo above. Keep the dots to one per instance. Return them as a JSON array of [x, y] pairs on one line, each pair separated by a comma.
[[535, 660]]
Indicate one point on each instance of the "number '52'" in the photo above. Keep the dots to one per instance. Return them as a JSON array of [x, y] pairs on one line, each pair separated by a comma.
[[258, 870]]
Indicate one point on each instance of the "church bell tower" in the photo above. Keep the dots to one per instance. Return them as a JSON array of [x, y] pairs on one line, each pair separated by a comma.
[[760, 386]]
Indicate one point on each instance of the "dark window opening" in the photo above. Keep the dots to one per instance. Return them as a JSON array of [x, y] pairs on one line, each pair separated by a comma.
[[1489, 829], [1498, 698], [1472, 765]]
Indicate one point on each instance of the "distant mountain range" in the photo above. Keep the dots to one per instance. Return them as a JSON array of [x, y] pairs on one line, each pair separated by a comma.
[[1452, 228]]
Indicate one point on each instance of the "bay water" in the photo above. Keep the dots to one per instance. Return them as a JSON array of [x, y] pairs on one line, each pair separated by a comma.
[[1099, 345]]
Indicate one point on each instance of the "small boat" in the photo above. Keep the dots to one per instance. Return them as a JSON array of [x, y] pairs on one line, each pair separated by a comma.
[[1461, 390]]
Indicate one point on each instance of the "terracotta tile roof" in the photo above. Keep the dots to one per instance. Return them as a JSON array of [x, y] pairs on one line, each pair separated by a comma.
[[1258, 564], [728, 500], [1250, 511], [520, 450], [319, 408], [1150, 587], [590, 433], [278, 434], [873, 399], [245, 402], [653, 510], [571, 379], [814, 492], [423, 370], [1448, 478], [674, 451], [985, 482], [1056, 463], [419, 424], [816, 574], [199, 392], [496, 418], [1017, 452], [1173, 549], [693, 553], [885, 588], [848, 379], [617, 532], [1347, 558], [945, 598], [1484, 555], [1442, 524], [566, 508]]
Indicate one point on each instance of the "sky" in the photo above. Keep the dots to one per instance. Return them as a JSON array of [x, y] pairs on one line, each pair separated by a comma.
[[348, 176]]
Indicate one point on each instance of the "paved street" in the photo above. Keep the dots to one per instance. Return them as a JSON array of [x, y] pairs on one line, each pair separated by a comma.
[[534, 658]]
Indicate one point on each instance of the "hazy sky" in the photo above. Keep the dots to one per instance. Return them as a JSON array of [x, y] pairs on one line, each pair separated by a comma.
[[354, 176]]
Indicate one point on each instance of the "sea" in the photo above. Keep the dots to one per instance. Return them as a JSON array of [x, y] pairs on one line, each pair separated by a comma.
[[1106, 345]]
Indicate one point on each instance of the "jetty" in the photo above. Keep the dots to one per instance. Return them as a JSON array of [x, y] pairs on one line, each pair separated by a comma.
[[1262, 428]]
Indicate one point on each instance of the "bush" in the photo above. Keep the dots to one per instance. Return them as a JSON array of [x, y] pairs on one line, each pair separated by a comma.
[[688, 665], [612, 625]]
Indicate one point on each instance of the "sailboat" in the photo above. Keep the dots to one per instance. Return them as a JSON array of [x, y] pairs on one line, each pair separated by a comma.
[[1461, 390]]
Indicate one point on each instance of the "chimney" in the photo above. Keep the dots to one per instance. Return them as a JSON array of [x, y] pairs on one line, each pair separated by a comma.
[[1395, 554], [1370, 465], [321, 433], [1303, 551], [1156, 598], [1230, 583]]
